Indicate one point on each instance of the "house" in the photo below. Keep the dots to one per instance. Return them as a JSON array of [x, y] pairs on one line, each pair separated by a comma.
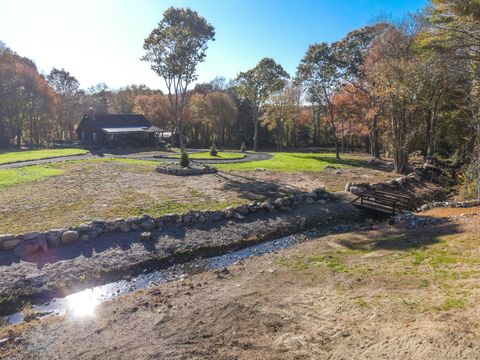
[[113, 130]]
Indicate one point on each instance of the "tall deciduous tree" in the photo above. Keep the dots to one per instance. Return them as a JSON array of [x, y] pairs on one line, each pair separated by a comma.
[[318, 72], [175, 48], [258, 84], [66, 86]]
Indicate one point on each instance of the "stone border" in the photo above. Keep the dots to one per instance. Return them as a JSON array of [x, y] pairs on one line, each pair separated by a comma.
[[30, 243], [177, 170], [449, 204], [358, 188]]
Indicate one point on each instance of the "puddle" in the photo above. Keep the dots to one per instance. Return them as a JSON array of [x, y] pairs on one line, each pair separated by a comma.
[[83, 303]]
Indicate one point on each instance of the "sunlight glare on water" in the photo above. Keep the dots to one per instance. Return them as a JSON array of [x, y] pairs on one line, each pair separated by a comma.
[[83, 304]]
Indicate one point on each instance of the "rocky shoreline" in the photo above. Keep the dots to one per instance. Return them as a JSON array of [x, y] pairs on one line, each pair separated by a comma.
[[73, 266]]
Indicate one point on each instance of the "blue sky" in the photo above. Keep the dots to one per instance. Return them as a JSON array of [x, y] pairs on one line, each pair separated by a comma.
[[101, 40]]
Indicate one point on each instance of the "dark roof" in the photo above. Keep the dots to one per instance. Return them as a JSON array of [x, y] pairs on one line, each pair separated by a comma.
[[113, 121]]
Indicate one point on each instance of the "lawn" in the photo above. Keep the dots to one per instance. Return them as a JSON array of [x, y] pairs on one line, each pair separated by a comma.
[[221, 155], [26, 174], [42, 197], [294, 162], [26, 155]]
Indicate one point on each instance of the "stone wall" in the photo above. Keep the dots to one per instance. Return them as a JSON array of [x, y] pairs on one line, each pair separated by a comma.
[[27, 244], [449, 204], [175, 169], [358, 188]]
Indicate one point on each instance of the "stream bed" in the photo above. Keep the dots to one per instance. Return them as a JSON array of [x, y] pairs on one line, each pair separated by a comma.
[[83, 303]]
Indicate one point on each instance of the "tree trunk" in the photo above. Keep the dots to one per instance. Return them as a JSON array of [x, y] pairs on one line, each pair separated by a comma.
[[255, 134]]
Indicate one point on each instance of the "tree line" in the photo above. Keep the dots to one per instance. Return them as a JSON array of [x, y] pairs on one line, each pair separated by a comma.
[[391, 88]]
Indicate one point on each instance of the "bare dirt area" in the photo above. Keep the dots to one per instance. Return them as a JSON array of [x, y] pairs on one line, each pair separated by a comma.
[[388, 293], [111, 189]]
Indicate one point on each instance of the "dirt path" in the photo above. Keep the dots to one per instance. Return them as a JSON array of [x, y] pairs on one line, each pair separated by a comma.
[[142, 156], [367, 295]]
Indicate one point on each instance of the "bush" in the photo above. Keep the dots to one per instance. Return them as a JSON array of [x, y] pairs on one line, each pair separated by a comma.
[[213, 151], [184, 160], [243, 147]]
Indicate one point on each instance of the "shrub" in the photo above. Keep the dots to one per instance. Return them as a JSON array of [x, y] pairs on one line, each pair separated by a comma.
[[184, 160], [213, 150], [243, 147]]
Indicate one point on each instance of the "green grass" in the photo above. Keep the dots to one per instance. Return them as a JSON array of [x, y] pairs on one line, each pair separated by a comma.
[[24, 155], [221, 155], [291, 162], [13, 177]]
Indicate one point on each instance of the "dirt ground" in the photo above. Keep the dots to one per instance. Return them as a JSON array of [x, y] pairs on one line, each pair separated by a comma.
[[382, 294], [107, 190]]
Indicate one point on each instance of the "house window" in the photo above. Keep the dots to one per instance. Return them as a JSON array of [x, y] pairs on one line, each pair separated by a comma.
[[144, 135], [94, 137]]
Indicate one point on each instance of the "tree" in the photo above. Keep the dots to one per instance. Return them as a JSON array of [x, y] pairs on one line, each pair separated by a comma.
[[174, 49], [257, 85], [282, 112], [66, 86], [318, 73]]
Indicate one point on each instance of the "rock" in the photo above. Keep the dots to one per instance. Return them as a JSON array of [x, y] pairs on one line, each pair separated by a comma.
[[10, 244], [84, 237], [217, 216], [239, 216], [347, 186], [146, 236], [85, 228], [147, 225], [187, 219], [311, 194], [229, 212], [30, 236], [122, 225], [242, 210], [6, 237], [30, 247], [70, 236], [54, 237], [323, 195], [322, 201], [267, 205], [309, 200], [278, 202], [286, 208]]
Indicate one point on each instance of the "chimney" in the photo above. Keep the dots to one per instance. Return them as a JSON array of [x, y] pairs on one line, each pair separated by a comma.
[[91, 113]]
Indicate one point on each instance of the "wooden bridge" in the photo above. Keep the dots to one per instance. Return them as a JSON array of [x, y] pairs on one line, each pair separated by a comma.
[[385, 202]]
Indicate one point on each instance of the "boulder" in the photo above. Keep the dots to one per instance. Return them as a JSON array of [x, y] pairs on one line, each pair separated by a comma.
[[311, 195], [122, 225], [267, 205], [347, 186], [10, 244], [85, 228], [54, 237], [239, 216], [309, 200], [30, 247], [146, 236], [322, 201], [70, 236], [30, 236], [286, 208], [242, 210], [217, 216], [147, 225]]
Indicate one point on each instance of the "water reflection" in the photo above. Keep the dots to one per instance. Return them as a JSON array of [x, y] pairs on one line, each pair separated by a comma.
[[83, 304]]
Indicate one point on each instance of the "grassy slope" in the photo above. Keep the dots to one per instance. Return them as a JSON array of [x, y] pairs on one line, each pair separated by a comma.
[[13, 177], [292, 162], [16, 156]]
